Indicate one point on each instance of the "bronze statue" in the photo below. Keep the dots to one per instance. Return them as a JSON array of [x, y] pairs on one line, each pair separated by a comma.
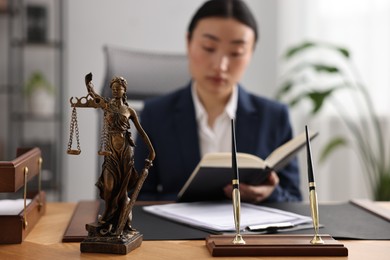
[[119, 178]]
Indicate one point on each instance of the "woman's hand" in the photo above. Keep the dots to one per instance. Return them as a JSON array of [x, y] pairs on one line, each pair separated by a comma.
[[255, 194]]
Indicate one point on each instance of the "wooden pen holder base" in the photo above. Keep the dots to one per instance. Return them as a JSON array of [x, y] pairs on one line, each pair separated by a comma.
[[274, 245]]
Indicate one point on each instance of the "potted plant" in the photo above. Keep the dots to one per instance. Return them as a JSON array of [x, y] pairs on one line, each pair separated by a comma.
[[320, 82], [40, 94]]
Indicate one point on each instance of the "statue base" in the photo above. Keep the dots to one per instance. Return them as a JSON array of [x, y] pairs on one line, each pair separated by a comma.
[[122, 244]]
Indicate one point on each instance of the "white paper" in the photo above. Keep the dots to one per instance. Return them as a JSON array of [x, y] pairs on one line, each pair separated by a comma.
[[12, 207], [218, 216]]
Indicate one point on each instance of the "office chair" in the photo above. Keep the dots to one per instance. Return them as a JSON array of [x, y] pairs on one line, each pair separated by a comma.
[[148, 74]]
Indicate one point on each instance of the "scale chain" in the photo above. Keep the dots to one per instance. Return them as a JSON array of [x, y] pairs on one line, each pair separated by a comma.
[[74, 129], [103, 136]]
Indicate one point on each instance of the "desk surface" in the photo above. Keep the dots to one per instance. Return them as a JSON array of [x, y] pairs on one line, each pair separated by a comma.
[[44, 242]]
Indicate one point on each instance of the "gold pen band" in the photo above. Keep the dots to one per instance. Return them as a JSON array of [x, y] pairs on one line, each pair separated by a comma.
[[312, 184], [235, 181]]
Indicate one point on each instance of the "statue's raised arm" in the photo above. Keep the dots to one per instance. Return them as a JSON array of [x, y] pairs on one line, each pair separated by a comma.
[[92, 99], [90, 87]]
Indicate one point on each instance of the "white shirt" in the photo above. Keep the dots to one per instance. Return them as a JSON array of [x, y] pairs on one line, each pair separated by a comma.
[[218, 138]]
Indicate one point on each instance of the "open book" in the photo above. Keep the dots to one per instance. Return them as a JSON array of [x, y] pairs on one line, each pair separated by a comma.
[[214, 171]]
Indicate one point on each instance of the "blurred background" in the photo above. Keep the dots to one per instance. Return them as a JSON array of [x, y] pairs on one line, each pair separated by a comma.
[[48, 46]]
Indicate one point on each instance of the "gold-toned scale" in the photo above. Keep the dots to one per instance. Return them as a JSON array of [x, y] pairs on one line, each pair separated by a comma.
[[87, 102]]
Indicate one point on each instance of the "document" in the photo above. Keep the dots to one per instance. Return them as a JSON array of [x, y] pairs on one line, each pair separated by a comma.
[[218, 216], [12, 207]]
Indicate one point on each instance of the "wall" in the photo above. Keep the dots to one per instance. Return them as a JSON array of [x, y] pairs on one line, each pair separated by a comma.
[[146, 25]]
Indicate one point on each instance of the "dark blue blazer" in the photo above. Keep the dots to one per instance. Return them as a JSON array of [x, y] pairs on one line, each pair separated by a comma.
[[262, 125]]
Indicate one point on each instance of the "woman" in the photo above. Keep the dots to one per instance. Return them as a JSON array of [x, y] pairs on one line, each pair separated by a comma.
[[192, 121], [118, 175]]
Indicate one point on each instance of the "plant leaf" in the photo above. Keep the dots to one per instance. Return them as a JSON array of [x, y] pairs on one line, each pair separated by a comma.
[[325, 68], [343, 52], [318, 98], [297, 49], [285, 88], [333, 144], [297, 99]]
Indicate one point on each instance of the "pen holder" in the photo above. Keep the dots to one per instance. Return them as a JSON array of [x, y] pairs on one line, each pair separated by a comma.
[[238, 240], [274, 245]]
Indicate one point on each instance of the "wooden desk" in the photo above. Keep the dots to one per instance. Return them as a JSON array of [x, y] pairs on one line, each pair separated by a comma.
[[44, 242]]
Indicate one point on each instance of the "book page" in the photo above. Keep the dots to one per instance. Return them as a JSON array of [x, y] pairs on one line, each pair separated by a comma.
[[218, 216], [282, 155], [244, 160]]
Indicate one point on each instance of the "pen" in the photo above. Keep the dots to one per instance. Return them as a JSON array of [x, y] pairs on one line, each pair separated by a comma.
[[271, 227], [312, 192], [236, 190], [279, 227]]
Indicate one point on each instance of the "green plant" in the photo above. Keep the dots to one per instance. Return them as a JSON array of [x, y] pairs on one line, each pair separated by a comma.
[[323, 80], [37, 81]]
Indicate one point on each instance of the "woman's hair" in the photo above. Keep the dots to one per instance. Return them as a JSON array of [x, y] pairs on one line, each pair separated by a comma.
[[235, 9]]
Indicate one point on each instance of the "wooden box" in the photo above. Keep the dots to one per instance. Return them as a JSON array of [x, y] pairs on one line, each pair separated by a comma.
[[15, 175]]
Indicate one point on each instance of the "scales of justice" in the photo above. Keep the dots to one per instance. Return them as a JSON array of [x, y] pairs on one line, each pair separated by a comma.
[[119, 183]]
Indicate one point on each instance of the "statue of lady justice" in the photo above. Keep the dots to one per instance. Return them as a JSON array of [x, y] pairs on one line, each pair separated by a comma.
[[118, 178]]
